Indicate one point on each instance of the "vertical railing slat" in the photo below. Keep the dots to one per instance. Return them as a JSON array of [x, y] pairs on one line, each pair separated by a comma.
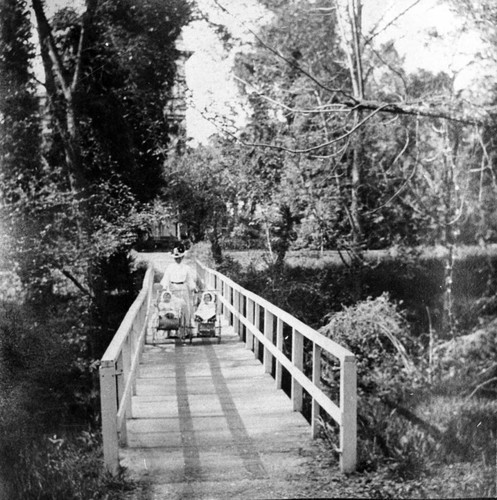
[[279, 344], [257, 324], [316, 380], [249, 338], [126, 355], [268, 334], [238, 308], [298, 362]]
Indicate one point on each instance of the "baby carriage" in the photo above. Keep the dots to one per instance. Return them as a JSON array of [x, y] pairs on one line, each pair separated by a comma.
[[206, 316], [170, 318]]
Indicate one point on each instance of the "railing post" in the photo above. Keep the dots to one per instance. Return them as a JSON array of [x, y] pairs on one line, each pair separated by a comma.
[[231, 301], [227, 296], [108, 403], [150, 288], [249, 337], [298, 362], [268, 333], [316, 380], [119, 376], [223, 295], [239, 308], [279, 346], [236, 323], [243, 314], [348, 404], [257, 324], [126, 355]]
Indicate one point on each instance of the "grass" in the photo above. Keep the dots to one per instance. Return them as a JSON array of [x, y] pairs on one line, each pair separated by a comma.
[[61, 467], [317, 259]]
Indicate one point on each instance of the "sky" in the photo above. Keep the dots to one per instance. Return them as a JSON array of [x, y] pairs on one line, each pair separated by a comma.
[[428, 35], [208, 70]]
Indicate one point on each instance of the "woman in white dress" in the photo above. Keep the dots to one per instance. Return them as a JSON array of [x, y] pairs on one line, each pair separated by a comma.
[[180, 280]]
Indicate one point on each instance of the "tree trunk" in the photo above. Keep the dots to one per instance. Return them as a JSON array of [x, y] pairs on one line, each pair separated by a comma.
[[356, 182], [61, 92], [350, 20], [450, 219]]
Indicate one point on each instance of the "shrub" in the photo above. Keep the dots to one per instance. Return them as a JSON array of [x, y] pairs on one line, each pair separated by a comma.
[[377, 333]]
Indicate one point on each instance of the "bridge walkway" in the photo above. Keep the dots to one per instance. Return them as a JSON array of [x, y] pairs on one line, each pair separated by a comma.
[[208, 423], [208, 420]]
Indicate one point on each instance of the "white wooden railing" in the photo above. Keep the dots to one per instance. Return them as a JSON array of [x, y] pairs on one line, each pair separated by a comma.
[[243, 308], [118, 368]]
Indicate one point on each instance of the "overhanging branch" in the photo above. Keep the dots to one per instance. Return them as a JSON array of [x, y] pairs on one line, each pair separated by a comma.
[[81, 287], [412, 110]]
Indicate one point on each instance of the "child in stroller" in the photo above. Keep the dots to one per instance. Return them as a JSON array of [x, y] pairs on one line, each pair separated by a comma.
[[170, 313], [206, 315]]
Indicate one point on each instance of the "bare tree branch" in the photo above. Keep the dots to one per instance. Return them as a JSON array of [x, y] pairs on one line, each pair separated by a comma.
[[412, 110], [481, 386], [277, 53], [356, 102], [70, 276], [313, 148], [375, 34], [320, 109]]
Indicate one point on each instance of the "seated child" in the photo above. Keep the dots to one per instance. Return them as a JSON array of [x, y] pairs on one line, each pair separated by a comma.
[[206, 311], [169, 306]]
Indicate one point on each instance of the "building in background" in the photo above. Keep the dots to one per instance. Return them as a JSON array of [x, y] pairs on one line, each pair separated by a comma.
[[175, 111]]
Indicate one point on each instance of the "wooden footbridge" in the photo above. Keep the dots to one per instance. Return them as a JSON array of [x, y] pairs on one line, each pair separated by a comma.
[[209, 420]]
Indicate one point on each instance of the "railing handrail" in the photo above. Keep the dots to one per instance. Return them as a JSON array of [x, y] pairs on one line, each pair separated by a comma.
[[115, 347], [304, 381], [118, 367], [243, 308], [329, 345]]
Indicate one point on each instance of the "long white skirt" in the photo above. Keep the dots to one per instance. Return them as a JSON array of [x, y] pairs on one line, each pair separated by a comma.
[[182, 292]]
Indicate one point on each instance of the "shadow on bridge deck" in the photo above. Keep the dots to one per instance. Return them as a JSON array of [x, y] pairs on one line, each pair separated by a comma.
[[209, 423]]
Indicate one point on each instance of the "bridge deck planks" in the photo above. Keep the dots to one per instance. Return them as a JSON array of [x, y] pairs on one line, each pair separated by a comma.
[[209, 423]]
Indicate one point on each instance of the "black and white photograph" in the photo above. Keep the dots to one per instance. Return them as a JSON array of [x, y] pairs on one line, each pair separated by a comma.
[[248, 249]]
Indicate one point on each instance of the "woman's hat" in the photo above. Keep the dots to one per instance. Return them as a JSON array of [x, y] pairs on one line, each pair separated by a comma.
[[179, 250]]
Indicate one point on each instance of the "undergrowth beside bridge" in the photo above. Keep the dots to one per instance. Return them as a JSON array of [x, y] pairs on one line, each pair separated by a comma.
[[50, 442]]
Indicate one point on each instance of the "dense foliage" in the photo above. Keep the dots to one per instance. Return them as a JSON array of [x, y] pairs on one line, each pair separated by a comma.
[[81, 161]]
